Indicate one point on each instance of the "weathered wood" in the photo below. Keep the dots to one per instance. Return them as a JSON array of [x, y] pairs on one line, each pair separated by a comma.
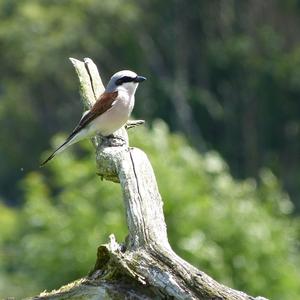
[[145, 266]]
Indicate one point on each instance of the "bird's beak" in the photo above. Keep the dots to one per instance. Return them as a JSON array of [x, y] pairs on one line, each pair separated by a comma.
[[140, 79]]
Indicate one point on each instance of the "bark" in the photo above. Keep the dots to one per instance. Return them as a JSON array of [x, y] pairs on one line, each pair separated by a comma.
[[144, 266]]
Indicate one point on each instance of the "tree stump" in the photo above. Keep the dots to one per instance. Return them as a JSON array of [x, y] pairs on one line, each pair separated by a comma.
[[144, 266]]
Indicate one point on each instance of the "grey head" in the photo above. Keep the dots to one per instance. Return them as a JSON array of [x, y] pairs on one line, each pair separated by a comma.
[[125, 80]]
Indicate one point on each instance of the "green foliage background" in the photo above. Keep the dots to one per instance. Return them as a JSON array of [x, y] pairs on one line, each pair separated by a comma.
[[223, 74], [239, 233]]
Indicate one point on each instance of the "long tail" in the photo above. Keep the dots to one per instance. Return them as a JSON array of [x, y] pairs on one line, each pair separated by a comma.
[[72, 139], [77, 135], [61, 148]]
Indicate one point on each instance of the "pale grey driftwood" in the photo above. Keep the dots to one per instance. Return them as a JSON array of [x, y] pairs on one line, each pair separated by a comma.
[[145, 266]]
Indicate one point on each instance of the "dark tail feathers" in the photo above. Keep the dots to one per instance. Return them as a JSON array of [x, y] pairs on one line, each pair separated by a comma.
[[58, 150]]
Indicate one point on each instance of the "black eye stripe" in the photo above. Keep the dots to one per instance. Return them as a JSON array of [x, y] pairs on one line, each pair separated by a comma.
[[124, 79]]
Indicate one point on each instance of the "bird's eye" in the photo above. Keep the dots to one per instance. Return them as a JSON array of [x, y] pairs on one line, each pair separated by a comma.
[[124, 79]]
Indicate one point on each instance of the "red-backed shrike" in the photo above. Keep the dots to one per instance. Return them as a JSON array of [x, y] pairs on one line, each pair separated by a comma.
[[110, 112]]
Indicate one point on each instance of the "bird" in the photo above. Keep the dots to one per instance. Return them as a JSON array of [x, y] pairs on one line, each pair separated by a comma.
[[109, 113]]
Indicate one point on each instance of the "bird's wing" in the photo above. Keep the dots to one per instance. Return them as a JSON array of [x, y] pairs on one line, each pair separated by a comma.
[[104, 103]]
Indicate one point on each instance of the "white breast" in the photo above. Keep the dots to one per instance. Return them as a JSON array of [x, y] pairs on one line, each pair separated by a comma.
[[115, 117]]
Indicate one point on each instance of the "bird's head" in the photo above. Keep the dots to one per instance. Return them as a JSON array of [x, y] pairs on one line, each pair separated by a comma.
[[124, 80]]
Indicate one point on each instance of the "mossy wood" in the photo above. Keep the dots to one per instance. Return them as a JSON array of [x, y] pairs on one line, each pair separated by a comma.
[[144, 266]]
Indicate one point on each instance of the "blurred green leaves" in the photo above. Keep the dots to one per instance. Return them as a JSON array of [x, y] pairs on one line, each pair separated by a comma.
[[238, 69], [240, 233], [238, 62], [38, 86]]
